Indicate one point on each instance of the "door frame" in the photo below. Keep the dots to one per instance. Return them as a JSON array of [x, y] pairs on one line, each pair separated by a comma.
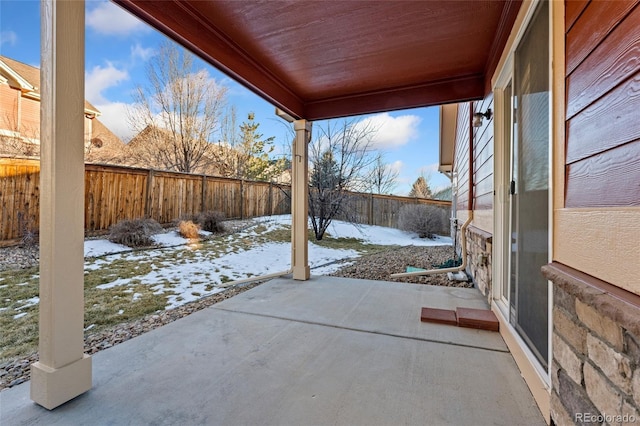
[[502, 213]]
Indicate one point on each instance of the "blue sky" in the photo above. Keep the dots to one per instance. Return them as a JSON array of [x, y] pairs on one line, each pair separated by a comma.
[[118, 46]]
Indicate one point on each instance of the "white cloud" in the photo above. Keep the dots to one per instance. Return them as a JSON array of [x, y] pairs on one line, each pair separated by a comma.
[[8, 37], [397, 166], [101, 78], [237, 90], [114, 116], [392, 131], [109, 19], [428, 170], [139, 52]]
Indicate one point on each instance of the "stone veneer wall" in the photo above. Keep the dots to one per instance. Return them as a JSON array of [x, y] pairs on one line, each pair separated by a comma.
[[479, 259], [596, 350]]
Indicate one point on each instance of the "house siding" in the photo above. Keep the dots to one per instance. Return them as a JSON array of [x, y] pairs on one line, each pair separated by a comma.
[[29, 118], [8, 104], [603, 99], [476, 193], [596, 327], [461, 156], [20, 120], [480, 186], [483, 158]]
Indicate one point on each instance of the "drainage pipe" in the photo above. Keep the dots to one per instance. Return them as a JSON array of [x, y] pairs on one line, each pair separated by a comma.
[[463, 242], [258, 278]]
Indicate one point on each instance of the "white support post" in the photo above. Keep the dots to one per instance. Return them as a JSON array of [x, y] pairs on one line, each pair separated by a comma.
[[300, 201], [63, 370]]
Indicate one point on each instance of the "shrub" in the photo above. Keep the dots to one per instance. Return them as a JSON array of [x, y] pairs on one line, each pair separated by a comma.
[[134, 233], [30, 232], [30, 239], [423, 219], [211, 221], [185, 218], [188, 229]]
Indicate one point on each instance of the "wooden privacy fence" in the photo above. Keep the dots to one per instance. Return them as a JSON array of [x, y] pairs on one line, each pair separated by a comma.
[[382, 210], [19, 197], [114, 193]]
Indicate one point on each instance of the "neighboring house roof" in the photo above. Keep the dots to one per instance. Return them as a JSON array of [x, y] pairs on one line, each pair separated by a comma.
[[27, 79], [105, 146], [444, 194]]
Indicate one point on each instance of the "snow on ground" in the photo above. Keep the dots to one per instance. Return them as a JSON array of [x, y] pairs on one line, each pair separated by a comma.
[[201, 275], [384, 236], [94, 248], [186, 278], [368, 234]]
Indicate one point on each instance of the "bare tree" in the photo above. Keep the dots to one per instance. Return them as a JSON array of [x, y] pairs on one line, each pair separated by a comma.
[[382, 176], [225, 158], [340, 157], [179, 111]]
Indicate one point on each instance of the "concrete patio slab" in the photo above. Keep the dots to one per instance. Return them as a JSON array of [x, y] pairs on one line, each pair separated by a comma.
[[259, 359], [372, 306]]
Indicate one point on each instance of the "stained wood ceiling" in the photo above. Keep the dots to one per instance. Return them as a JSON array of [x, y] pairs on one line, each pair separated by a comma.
[[327, 59]]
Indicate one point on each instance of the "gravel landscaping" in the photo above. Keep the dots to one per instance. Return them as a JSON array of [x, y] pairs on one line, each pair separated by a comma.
[[379, 266]]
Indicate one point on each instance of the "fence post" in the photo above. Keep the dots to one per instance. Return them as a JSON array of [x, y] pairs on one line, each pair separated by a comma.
[[241, 199], [149, 198], [371, 209], [204, 193], [270, 198]]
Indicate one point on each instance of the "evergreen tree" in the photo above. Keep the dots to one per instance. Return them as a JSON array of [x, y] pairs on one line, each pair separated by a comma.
[[420, 188], [325, 174], [254, 162]]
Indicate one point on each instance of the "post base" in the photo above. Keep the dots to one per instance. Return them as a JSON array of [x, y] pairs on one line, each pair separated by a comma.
[[52, 387], [301, 273]]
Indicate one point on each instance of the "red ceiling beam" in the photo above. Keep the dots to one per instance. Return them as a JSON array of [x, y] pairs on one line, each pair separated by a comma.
[[437, 93]]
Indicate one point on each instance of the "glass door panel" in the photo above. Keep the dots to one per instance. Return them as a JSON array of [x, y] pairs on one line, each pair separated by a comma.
[[529, 187]]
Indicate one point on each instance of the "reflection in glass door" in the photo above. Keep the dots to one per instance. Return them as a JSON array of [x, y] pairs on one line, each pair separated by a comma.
[[529, 186]]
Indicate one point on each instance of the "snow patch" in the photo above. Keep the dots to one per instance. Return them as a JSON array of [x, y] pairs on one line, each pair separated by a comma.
[[28, 303], [170, 239], [199, 275], [93, 248]]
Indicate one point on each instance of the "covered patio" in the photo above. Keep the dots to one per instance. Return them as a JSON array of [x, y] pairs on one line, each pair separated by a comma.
[[325, 351], [295, 350]]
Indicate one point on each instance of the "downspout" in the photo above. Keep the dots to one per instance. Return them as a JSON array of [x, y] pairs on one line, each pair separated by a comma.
[[463, 229], [471, 142]]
